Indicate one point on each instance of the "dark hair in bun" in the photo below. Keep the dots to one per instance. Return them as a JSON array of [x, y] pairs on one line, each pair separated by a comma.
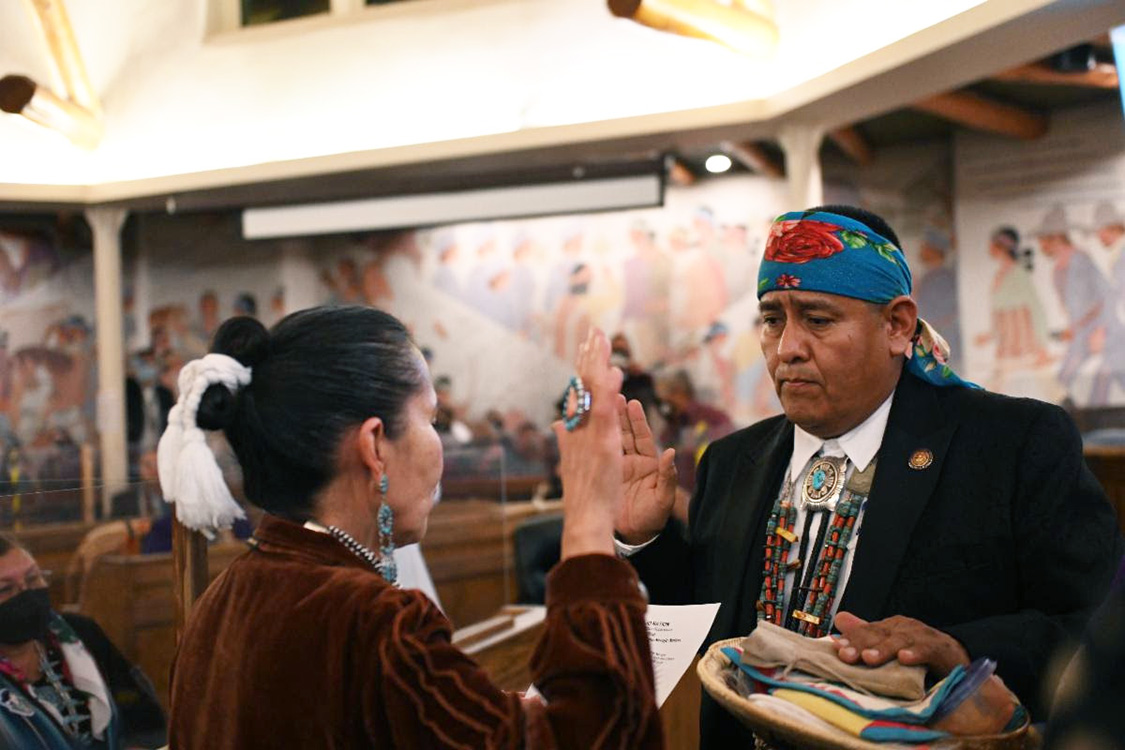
[[246, 340], [318, 373]]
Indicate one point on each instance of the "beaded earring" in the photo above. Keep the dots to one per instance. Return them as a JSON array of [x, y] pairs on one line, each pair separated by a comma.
[[386, 534]]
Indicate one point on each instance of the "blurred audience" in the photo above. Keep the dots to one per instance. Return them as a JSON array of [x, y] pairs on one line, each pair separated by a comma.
[[690, 425]]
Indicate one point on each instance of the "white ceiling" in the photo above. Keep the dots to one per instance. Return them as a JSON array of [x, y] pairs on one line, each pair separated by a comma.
[[430, 72]]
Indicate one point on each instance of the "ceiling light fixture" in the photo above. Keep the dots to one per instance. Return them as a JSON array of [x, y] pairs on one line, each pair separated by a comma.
[[19, 95], [717, 163], [78, 115], [745, 26]]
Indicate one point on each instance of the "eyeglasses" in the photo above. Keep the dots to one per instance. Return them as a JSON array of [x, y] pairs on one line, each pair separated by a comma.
[[35, 579]]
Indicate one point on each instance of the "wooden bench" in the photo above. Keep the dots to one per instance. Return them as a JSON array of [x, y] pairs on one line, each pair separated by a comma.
[[468, 549], [131, 598]]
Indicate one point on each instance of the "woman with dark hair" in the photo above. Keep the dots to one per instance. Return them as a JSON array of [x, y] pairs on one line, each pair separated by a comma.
[[305, 641], [63, 684]]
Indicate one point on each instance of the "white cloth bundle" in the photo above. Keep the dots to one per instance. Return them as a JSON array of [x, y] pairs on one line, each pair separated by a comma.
[[189, 474]]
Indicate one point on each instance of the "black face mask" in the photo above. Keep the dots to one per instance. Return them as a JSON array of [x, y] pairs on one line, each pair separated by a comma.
[[25, 616]]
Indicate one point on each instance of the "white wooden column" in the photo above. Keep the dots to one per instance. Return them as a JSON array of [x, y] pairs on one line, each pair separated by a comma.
[[801, 143], [298, 275], [106, 225]]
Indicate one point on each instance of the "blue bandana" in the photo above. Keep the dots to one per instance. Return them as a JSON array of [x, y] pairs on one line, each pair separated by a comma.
[[816, 251]]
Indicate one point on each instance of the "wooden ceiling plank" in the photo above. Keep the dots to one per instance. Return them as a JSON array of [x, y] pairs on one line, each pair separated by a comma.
[[853, 144], [1103, 76], [679, 173], [979, 113], [754, 157]]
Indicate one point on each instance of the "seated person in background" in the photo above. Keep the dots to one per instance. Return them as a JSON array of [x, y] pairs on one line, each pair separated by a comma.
[[63, 685], [981, 534], [305, 641], [690, 425]]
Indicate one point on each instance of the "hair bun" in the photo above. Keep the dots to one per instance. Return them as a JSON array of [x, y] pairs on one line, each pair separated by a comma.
[[216, 408], [244, 339]]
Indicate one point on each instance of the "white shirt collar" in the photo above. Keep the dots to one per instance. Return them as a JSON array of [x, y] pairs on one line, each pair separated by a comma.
[[859, 444]]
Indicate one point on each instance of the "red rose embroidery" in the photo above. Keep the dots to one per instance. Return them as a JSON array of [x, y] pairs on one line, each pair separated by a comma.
[[802, 241], [785, 281]]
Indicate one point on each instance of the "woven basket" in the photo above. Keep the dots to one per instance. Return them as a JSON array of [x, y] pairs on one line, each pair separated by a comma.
[[777, 729]]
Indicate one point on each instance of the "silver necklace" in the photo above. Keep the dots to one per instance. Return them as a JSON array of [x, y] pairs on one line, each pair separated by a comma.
[[69, 707], [355, 547]]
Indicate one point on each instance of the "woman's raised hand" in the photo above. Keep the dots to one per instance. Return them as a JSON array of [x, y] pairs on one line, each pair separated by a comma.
[[591, 456]]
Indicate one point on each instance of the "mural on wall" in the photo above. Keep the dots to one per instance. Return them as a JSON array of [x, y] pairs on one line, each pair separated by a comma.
[[499, 308], [1043, 282], [47, 368], [911, 187], [503, 306]]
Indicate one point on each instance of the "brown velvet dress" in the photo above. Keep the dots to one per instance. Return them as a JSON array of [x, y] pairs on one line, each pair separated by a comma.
[[300, 645]]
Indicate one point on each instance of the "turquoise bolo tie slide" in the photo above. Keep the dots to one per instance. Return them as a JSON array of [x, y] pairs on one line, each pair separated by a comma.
[[823, 482], [576, 404]]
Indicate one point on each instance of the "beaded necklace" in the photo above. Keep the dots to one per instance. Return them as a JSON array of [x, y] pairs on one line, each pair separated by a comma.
[[812, 616], [389, 570]]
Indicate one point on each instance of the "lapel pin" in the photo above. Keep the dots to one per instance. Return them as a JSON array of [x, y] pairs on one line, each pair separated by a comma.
[[920, 459]]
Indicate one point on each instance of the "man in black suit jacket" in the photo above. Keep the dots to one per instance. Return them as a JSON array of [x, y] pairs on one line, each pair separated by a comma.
[[984, 534]]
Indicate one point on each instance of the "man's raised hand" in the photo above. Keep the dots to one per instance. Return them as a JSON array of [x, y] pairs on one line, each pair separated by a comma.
[[649, 478]]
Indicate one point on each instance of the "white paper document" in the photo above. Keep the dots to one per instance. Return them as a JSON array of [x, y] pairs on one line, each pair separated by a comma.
[[675, 634]]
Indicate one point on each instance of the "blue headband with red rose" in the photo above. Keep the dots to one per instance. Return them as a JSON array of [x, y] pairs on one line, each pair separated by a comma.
[[817, 251]]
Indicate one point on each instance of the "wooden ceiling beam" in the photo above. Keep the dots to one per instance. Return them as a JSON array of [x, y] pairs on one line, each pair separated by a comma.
[[678, 172], [1103, 76], [753, 157], [853, 144], [979, 113]]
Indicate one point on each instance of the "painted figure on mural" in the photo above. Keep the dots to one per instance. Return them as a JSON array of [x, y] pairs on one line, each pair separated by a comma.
[[1083, 292], [719, 365], [1110, 229], [754, 391], [446, 278], [209, 317], [573, 253], [26, 259], [1019, 325], [699, 295], [572, 316], [486, 266], [344, 285], [936, 288], [647, 275], [738, 259], [521, 287], [1109, 226]]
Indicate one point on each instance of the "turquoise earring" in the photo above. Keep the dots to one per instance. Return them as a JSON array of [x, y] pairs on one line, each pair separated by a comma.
[[387, 564]]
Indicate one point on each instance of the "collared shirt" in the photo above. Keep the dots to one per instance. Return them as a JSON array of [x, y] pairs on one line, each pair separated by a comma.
[[860, 444]]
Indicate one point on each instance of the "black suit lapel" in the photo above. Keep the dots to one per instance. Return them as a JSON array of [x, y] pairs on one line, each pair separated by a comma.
[[753, 489], [898, 496]]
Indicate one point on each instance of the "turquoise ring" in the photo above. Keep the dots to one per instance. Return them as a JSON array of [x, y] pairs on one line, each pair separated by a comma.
[[581, 404]]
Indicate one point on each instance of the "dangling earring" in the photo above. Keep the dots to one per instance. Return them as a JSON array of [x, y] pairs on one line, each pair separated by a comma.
[[387, 565]]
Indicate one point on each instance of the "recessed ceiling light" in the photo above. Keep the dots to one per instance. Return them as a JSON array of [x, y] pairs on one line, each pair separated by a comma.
[[717, 163]]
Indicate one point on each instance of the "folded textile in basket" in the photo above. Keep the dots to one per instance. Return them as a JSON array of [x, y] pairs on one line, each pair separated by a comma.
[[774, 646], [970, 701]]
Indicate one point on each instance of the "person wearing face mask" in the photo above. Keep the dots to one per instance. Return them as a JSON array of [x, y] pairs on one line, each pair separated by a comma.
[[63, 685]]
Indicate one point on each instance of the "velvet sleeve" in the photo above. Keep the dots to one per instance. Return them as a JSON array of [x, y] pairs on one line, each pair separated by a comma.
[[592, 665]]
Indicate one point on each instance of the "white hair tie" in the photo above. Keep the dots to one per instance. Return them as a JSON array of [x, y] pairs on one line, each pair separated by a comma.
[[189, 474]]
